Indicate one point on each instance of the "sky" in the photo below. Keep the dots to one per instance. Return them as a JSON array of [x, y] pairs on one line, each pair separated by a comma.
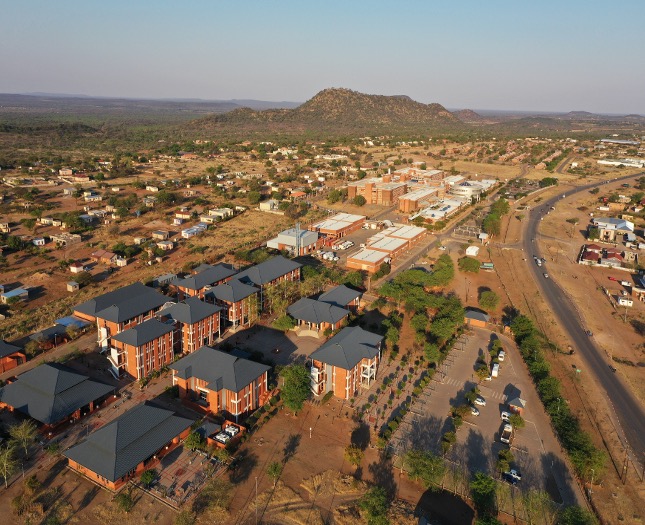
[[549, 55]]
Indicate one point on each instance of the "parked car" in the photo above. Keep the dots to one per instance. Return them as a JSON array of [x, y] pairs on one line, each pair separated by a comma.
[[589, 333], [546, 275], [479, 400], [506, 416], [501, 355], [474, 411], [612, 278], [506, 476], [442, 248], [516, 474]]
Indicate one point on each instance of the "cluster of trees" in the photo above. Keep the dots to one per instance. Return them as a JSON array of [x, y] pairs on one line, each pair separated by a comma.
[[296, 386], [492, 223], [548, 181], [22, 436], [584, 455]]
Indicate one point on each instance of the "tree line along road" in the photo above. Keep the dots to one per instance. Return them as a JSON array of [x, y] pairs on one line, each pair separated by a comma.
[[626, 406]]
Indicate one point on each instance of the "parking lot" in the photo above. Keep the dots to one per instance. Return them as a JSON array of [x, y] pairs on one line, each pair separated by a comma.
[[537, 453]]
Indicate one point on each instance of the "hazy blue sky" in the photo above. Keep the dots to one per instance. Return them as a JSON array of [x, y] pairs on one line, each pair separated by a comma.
[[541, 55]]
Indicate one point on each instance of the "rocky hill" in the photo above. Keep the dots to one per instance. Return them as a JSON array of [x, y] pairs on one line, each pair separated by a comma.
[[469, 116], [338, 111]]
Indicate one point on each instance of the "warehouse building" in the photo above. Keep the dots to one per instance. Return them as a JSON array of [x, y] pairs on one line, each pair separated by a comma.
[[339, 225]]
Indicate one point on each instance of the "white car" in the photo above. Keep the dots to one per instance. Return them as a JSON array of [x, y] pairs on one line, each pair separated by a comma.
[[501, 355], [474, 411], [442, 248], [506, 416], [479, 400]]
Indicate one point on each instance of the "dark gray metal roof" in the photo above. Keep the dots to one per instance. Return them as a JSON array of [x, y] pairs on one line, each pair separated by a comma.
[[8, 349], [479, 315], [317, 312], [115, 449], [232, 291], [143, 333], [51, 392], [190, 311], [340, 296], [348, 347], [268, 270], [219, 369], [207, 276], [123, 304]]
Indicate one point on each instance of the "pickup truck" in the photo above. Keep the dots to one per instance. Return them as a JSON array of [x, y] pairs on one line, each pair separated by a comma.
[[507, 434]]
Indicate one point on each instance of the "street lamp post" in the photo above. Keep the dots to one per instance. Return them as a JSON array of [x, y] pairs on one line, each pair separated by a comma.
[[591, 486], [256, 500]]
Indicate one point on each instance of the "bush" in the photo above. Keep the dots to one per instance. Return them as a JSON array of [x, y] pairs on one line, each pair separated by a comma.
[[468, 264]]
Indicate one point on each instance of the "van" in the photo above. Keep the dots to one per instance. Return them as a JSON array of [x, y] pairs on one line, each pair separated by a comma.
[[495, 371]]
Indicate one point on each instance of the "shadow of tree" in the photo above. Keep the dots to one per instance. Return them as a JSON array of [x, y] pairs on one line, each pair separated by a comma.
[[290, 447], [54, 471], [88, 497], [425, 434], [555, 468], [444, 507], [243, 467], [361, 435], [382, 473]]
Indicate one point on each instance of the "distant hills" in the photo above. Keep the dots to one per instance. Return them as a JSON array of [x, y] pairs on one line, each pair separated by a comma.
[[338, 110]]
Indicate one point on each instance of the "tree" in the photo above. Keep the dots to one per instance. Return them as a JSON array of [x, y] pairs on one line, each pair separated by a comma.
[[185, 517], [284, 323], [24, 434], [295, 390], [359, 200], [8, 462], [354, 455], [517, 421], [469, 264], [124, 500], [425, 466], [593, 233], [254, 197], [576, 516], [488, 300], [376, 503], [83, 278], [274, 470], [148, 477], [504, 459], [483, 489], [334, 196], [195, 441], [548, 181], [354, 279], [492, 224]]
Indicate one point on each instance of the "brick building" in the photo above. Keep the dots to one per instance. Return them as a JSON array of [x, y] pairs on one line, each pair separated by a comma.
[[197, 323]]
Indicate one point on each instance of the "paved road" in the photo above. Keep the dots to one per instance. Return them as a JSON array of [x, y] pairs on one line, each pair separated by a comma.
[[627, 408]]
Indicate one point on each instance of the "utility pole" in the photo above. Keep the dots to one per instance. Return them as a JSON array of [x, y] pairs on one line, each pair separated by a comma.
[[256, 500]]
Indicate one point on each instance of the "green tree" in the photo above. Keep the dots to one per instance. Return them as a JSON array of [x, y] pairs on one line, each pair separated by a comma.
[[124, 500], [354, 455], [482, 489], [274, 470], [185, 517], [492, 224], [254, 197], [359, 200], [376, 503], [468, 264], [576, 516], [517, 421], [504, 460], [8, 462], [593, 233], [354, 279], [284, 323], [488, 300], [148, 477], [425, 467], [83, 278], [548, 181], [195, 441], [24, 434], [295, 390]]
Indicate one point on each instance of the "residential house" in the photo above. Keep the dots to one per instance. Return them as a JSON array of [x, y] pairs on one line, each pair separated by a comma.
[[53, 394], [343, 297], [15, 295], [269, 273], [346, 363], [76, 267], [608, 228], [197, 323], [65, 239], [142, 349], [129, 445], [216, 381], [10, 356], [120, 309], [165, 245], [208, 276], [104, 257], [73, 286], [317, 317], [240, 300], [160, 235]]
